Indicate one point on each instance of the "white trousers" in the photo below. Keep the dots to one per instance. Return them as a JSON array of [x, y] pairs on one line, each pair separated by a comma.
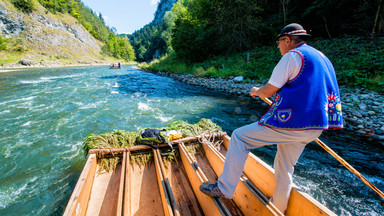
[[290, 145]]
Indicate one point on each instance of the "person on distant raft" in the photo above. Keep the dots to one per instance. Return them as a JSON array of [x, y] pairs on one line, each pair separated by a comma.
[[118, 65], [307, 102]]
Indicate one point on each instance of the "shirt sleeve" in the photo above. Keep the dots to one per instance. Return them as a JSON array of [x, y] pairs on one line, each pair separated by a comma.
[[287, 69]]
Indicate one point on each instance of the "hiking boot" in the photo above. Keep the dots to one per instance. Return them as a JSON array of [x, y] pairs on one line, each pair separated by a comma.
[[211, 190]]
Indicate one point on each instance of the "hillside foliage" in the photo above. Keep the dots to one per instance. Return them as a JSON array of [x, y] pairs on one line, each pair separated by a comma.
[[200, 29], [212, 38], [215, 27]]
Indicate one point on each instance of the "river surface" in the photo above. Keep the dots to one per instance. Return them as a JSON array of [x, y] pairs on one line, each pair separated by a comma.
[[46, 113]]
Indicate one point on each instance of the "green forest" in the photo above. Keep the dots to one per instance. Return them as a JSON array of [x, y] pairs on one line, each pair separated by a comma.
[[115, 46], [213, 38]]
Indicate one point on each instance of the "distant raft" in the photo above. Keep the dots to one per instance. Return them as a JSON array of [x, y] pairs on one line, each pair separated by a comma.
[[168, 183], [115, 66]]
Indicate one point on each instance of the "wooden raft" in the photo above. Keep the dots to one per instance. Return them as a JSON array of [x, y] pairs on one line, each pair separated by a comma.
[[164, 188]]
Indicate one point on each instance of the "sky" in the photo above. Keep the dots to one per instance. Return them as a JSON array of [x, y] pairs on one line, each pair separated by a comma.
[[126, 16]]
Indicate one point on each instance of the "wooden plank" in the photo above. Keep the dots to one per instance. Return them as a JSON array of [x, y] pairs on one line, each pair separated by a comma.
[[105, 193], [202, 174], [121, 187], [301, 203], [175, 208], [162, 188], [145, 191], [78, 203], [127, 185], [206, 203], [182, 190], [203, 164], [263, 177], [247, 201]]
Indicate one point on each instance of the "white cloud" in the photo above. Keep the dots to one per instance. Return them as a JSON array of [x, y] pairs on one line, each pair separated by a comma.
[[154, 2], [105, 17]]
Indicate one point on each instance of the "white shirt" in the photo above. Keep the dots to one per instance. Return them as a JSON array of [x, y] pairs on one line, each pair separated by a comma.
[[287, 69]]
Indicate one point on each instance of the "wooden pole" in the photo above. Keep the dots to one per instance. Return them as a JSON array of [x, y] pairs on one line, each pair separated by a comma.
[[342, 161], [143, 147]]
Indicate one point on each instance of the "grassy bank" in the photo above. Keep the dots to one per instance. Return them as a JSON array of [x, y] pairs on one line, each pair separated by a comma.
[[359, 62]]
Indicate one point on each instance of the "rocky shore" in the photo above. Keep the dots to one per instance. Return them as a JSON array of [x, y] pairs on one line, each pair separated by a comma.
[[48, 64], [363, 110]]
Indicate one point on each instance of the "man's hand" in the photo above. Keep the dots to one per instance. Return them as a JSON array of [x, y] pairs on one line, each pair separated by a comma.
[[254, 91], [264, 91]]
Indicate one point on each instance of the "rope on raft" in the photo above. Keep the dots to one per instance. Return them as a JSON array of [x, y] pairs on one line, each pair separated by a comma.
[[101, 153], [210, 137]]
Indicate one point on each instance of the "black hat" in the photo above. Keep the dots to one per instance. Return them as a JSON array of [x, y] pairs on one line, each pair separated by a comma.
[[293, 29]]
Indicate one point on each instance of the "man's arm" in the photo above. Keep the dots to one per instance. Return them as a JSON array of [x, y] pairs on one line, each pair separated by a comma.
[[264, 91]]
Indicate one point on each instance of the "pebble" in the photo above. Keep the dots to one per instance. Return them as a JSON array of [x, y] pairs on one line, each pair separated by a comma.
[[356, 114], [238, 79], [362, 106], [379, 132]]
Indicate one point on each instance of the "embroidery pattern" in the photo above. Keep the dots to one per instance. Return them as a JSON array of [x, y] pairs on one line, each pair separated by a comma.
[[272, 109], [284, 115], [333, 107]]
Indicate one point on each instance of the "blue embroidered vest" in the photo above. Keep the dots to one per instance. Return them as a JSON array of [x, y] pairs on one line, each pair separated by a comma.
[[311, 100]]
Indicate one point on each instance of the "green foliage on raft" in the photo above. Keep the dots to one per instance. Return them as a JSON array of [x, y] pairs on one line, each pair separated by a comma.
[[121, 139]]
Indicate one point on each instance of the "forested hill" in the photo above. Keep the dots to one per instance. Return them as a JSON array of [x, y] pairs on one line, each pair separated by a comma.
[[57, 32], [153, 40]]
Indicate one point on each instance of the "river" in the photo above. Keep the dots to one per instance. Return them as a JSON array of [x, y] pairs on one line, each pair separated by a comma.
[[47, 112]]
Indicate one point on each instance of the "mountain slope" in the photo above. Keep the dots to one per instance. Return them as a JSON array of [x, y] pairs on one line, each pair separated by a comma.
[[162, 8], [45, 39]]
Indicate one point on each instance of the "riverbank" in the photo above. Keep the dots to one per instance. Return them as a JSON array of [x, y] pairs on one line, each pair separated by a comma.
[[11, 66], [363, 110], [22, 65]]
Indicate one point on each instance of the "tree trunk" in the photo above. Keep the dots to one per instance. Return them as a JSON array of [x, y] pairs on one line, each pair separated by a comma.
[[326, 27], [376, 18], [284, 3]]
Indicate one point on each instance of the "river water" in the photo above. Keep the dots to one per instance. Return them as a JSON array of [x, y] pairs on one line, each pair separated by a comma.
[[46, 113]]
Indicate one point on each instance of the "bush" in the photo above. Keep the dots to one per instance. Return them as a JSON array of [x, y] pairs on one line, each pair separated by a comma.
[[20, 44], [3, 43], [26, 6], [212, 73], [198, 71]]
